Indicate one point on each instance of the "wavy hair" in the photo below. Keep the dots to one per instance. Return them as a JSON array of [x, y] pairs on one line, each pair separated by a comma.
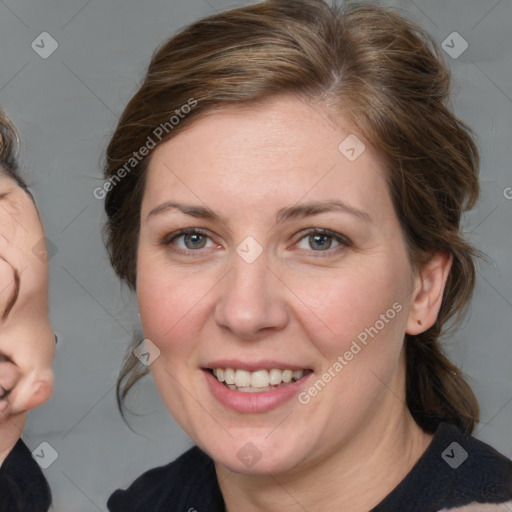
[[378, 70]]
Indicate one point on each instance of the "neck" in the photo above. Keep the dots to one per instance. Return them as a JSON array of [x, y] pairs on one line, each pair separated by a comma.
[[355, 477], [11, 428]]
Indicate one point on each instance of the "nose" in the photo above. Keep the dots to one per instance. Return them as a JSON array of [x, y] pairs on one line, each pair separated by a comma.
[[251, 300], [35, 389]]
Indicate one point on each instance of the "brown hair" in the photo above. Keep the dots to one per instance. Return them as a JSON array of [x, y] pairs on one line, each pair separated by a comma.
[[383, 74], [9, 143]]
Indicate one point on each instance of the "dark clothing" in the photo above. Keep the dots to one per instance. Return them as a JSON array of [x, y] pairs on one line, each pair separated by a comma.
[[455, 470], [23, 487], [432, 484]]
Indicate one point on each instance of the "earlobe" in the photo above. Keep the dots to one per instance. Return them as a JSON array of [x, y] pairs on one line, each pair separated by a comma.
[[428, 293]]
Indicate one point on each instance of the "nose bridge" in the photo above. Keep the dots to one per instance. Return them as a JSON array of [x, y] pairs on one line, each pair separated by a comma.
[[251, 299]]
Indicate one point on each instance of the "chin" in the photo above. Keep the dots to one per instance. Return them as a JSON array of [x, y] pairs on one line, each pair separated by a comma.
[[258, 455]]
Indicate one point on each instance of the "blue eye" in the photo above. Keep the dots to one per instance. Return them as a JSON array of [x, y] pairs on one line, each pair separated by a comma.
[[189, 242], [322, 240]]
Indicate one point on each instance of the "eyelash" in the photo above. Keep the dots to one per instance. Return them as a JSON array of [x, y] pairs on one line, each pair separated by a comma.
[[342, 240], [4, 393]]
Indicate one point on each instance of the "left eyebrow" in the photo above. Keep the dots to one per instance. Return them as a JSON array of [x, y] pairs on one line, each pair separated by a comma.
[[14, 295], [200, 212], [317, 207], [284, 214]]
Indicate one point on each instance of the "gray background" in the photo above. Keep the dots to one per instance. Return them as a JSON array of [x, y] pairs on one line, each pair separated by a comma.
[[67, 105]]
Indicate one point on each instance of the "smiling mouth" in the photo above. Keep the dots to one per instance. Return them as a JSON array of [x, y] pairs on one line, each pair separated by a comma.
[[258, 381]]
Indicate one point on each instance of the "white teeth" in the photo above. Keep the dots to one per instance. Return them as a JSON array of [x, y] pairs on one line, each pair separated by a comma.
[[229, 375], [260, 380], [242, 378], [275, 376], [287, 376]]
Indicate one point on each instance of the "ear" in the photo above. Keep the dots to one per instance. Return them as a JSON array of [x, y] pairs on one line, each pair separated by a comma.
[[428, 293]]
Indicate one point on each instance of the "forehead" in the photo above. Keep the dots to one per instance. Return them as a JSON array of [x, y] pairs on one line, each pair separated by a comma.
[[10, 191], [285, 150]]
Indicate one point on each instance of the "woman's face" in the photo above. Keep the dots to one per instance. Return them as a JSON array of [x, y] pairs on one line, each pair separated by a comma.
[[27, 342], [292, 260]]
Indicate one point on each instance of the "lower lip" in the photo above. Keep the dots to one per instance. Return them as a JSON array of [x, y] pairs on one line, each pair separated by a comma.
[[253, 403]]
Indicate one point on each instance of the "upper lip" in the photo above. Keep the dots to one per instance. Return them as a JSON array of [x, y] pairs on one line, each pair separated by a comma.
[[253, 366]]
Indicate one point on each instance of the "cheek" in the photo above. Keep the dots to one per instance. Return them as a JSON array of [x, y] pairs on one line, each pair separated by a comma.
[[172, 314], [351, 303], [170, 307], [360, 338], [6, 283], [9, 375]]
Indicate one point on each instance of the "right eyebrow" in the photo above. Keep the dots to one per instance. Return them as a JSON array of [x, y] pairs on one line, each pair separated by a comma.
[[201, 212], [14, 295], [288, 213]]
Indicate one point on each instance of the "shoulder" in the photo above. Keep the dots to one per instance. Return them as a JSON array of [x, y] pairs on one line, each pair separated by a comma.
[[23, 486], [190, 482], [474, 467], [455, 470]]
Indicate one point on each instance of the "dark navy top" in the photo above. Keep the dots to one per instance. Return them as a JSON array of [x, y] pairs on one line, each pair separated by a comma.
[[455, 470], [23, 487]]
